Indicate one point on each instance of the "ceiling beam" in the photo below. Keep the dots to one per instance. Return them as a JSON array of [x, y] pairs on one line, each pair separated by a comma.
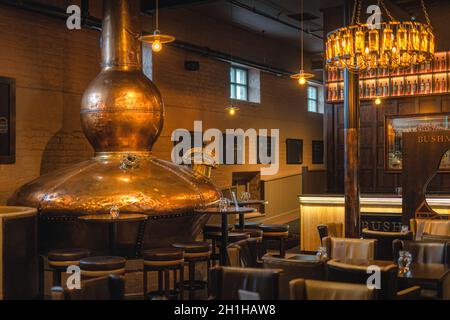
[[148, 6]]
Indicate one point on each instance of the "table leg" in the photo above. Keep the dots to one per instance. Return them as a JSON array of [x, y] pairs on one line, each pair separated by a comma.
[[241, 221], [223, 248], [113, 238]]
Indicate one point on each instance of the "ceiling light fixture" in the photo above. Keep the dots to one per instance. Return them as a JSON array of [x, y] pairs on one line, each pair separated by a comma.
[[390, 45], [232, 110], [157, 39], [302, 76]]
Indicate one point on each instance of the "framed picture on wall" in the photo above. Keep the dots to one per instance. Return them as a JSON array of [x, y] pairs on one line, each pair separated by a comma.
[[7, 120], [317, 151], [396, 125], [294, 151]]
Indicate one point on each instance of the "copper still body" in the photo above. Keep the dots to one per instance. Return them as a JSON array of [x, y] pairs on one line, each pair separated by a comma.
[[122, 115]]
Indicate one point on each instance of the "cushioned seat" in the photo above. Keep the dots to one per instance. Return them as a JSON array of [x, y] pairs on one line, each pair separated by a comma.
[[72, 254], [274, 227], [163, 261], [249, 225], [195, 252], [346, 248], [301, 289], [60, 259], [253, 233], [105, 263], [232, 236], [163, 254], [193, 247], [215, 227]]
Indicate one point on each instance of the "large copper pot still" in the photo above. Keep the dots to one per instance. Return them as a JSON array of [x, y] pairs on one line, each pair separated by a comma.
[[122, 115]]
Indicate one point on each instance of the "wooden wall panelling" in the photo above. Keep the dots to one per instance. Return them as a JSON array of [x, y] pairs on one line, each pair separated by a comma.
[[373, 177]]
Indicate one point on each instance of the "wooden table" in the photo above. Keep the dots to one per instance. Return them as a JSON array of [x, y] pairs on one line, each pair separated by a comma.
[[113, 224], [246, 203], [433, 276], [224, 214]]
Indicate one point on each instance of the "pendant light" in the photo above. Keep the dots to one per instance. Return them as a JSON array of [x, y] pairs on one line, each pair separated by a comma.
[[157, 39], [302, 76], [231, 109]]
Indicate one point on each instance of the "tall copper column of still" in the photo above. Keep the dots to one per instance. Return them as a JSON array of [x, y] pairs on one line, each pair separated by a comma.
[[122, 115]]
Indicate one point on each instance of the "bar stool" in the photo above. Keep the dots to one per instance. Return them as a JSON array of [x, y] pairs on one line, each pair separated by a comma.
[[256, 234], [248, 225], [195, 252], [216, 238], [215, 227], [164, 260], [276, 232], [94, 267], [59, 260]]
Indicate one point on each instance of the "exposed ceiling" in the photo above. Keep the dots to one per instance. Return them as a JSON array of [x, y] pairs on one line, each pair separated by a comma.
[[280, 19]]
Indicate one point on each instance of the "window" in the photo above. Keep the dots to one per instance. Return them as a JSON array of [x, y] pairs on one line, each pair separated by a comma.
[[313, 99], [239, 83]]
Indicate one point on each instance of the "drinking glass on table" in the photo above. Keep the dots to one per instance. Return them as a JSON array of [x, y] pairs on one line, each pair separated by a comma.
[[224, 203], [322, 253], [404, 261], [245, 196]]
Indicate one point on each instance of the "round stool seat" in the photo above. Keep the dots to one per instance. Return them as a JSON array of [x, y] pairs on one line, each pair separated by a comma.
[[104, 263], [249, 225], [253, 233], [71, 254], [274, 227], [163, 254], [193, 247], [232, 236], [215, 227]]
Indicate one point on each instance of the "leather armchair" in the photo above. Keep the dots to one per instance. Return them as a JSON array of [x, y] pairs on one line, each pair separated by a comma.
[[104, 288], [430, 226], [423, 251], [225, 282], [301, 289], [244, 253], [350, 273], [346, 248], [330, 230], [384, 241], [293, 269], [435, 238]]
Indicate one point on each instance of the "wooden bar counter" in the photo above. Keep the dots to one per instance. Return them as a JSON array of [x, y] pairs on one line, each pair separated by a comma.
[[378, 212]]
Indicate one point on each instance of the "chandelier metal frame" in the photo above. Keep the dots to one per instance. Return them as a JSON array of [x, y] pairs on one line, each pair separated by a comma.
[[392, 45]]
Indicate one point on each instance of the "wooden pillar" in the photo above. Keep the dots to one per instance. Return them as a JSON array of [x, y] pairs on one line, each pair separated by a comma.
[[351, 149]]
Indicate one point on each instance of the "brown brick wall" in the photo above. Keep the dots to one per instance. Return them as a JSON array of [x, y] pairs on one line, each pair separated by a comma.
[[53, 66]]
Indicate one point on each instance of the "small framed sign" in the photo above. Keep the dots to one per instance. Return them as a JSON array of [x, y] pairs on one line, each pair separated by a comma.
[[294, 151], [317, 152], [7, 120]]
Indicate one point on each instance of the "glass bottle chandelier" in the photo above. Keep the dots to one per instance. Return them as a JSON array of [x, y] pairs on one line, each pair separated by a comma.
[[390, 45], [157, 39], [302, 76]]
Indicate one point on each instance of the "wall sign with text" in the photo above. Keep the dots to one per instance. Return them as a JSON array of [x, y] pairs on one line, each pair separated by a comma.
[[7, 120]]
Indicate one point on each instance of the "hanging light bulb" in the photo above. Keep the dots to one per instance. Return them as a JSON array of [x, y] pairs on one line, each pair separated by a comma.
[[232, 110], [333, 46], [377, 101], [157, 45], [157, 39], [301, 80]]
